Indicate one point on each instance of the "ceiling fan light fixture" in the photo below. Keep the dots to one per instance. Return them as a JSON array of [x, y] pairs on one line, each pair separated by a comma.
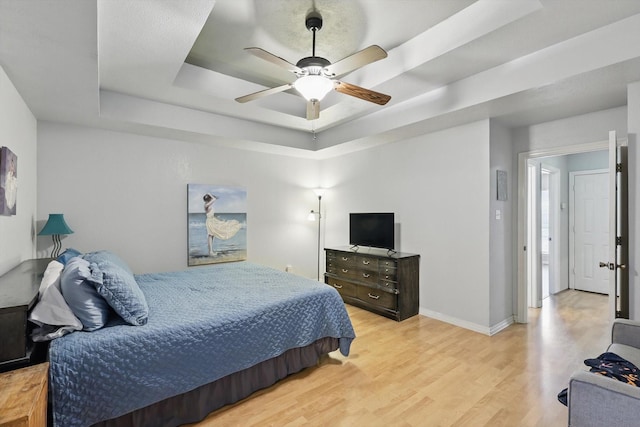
[[313, 87]]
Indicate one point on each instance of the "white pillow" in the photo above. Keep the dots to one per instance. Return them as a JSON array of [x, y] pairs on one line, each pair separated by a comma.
[[52, 309], [51, 275]]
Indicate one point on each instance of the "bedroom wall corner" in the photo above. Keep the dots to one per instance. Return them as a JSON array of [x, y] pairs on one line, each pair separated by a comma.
[[18, 132], [501, 276]]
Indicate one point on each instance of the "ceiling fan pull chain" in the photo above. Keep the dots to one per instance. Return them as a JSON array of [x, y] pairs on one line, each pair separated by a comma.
[[313, 49]]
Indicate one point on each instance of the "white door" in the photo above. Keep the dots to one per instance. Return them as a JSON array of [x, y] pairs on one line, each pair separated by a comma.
[[591, 230], [617, 256]]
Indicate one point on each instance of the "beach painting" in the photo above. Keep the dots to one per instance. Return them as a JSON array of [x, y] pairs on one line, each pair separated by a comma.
[[217, 224], [8, 181]]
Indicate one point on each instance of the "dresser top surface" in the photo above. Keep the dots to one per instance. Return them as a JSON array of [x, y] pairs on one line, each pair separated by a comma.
[[376, 252], [19, 286]]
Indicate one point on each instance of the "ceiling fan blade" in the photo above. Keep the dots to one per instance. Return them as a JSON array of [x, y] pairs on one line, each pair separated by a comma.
[[263, 54], [359, 59], [263, 93], [313, 109], [362, 93]]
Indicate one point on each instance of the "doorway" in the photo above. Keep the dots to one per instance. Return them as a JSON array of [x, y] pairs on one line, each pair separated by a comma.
[[546, 191]]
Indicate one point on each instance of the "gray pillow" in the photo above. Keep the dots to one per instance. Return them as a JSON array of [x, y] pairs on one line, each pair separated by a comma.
[[81, 296], [120, 289]]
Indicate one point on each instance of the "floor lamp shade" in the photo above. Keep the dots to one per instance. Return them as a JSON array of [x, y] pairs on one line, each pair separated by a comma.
[[55, 227]]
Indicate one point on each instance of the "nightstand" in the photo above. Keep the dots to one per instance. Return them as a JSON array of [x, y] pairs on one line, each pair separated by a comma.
[[18, 294], [23, 401]]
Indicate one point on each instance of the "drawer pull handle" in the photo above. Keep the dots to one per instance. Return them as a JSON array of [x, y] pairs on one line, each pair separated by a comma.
[[366, 275], [373, 296], [365, 262], [344, 258], [344, 270], [335, 285]]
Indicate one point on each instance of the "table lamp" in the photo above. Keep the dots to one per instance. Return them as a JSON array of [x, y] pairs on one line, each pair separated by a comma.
[[55, 227]]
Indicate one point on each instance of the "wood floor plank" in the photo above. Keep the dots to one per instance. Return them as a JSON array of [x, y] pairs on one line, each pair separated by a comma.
[[423, 372]]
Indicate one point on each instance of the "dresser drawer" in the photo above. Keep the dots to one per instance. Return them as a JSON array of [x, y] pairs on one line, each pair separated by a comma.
[[346, 289], [366, 276], [345, 259], [388, 263], [366, 263], [339, 261], [377, 297], [389, 284], [388, 273]]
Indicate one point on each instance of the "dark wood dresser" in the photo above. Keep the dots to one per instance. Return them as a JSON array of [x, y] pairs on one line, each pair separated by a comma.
[[18, 294], [373, 279]]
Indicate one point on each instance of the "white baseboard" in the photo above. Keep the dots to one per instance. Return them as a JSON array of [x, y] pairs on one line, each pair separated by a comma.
[[502, 325], [466, 324]]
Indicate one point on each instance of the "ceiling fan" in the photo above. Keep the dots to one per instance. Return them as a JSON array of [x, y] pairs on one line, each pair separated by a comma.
[[316, 76]]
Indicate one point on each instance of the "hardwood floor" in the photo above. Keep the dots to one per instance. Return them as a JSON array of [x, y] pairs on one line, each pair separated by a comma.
[[423, 372]]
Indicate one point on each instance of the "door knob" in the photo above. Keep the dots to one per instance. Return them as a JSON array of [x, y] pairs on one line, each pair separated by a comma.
[[610, 265]]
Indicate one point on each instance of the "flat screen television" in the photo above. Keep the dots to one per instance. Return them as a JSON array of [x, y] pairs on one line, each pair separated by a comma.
[[372, 229]]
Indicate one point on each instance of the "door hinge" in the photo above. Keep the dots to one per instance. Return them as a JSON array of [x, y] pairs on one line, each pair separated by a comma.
[[524, 249], [618, 167], [619, 241]]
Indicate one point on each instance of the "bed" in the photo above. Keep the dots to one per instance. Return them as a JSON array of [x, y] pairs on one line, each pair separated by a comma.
[[214, 335]]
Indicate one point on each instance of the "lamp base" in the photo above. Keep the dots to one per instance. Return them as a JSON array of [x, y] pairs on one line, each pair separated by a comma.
[[57, 245]]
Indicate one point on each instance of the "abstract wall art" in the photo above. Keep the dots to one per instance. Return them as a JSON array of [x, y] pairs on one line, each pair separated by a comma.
[[8, 181]]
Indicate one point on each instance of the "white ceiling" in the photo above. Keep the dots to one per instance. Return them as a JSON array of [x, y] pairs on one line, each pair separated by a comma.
[[172, 68]]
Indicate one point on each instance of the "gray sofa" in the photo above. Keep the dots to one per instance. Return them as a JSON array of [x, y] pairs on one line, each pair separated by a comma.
[[596, 400]]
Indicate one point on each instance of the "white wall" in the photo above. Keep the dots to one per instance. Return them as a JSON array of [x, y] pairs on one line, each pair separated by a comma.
[[588, 161], [128, 193], [502, 275], [438, 186], [592, 127], [18, 133]]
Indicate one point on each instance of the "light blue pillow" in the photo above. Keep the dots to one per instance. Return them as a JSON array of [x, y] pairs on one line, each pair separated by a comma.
[[120, 289], [81, 296], [65, 256], [100, 256]]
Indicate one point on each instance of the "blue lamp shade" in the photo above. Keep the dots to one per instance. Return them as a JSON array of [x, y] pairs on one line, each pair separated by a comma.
[[55, 226]]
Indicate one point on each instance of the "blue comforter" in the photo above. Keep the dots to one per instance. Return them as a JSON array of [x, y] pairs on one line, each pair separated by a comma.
[[204, 323]]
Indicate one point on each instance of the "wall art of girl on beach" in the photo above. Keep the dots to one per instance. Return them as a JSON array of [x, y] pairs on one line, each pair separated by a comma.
[[217, 224]]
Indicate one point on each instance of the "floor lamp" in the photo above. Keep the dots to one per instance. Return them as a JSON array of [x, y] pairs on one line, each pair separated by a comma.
[[312, 217]]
